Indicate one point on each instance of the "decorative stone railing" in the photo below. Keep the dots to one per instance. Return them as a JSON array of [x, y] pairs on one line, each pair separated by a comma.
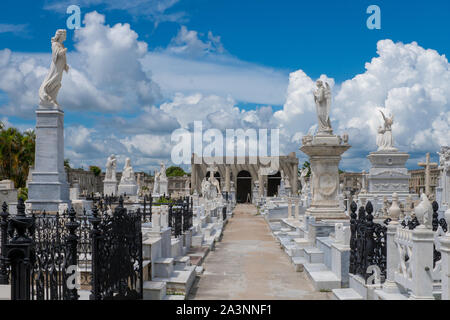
[[415, 261]]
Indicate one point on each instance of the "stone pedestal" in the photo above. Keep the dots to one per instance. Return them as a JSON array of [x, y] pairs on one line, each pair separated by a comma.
[[8, 193], [324, 153], [388, 174], [164, 187], [128, 189], [110, 188], [49, 186]]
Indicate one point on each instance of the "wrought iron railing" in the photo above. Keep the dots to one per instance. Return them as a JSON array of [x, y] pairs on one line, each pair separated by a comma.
[[367, 241], [38, 250]]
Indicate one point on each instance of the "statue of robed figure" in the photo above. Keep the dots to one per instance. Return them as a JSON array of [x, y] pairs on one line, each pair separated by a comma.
[[50, 87], [322, 98]]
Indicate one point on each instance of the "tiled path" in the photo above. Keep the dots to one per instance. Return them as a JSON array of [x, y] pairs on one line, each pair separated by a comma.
[[249, 264]]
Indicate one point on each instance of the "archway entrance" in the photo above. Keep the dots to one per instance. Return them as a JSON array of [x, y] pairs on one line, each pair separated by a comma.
[[273, 181], [244, 187]]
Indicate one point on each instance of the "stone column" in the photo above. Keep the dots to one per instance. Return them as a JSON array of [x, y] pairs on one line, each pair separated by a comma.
[[193, 177], [290, 208], [294, 179], [445, 265], [392, 258], [49, 187], [297, 208], [422, 263], [261, 185], [227, 178]]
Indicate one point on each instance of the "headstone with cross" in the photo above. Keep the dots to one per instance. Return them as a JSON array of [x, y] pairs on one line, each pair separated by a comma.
[[428, 166]]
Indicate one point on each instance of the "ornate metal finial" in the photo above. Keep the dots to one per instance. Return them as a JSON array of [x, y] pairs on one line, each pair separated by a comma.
[[72, 213], [361, 213], [353, 207], [369, 207], [21, 207]]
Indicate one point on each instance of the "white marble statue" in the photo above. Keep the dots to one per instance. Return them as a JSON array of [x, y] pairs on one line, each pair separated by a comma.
[[303, 173], [160, 185], [322, 98], [215, 183], [127, 173], [385, 140], [424, 212], [111, 164], [50, 87], [156, 183]]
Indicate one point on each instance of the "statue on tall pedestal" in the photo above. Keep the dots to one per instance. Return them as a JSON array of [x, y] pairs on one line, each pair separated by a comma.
[[52, 83], [111, 165], [322, 98]]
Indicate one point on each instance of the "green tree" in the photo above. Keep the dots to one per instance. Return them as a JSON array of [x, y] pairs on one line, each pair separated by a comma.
[[96, 170], [174, 171], [67, 163], [306, 164], [16, 154]]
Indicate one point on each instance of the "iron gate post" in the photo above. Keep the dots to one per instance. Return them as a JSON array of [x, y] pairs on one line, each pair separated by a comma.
[[4, 277]]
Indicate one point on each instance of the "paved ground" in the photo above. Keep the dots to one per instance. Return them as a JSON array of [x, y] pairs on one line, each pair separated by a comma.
[[249, 264]]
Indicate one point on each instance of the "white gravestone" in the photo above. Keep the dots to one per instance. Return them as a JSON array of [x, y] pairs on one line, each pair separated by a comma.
[[8, 193], [110, 182], [127, 183], [388, 173]]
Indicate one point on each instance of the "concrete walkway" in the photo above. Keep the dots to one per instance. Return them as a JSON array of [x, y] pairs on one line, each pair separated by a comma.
[[249, 264]]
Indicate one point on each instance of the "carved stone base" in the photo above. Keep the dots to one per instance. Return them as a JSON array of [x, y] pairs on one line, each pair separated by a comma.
[[110, 188], [324, 155], [128, 189]]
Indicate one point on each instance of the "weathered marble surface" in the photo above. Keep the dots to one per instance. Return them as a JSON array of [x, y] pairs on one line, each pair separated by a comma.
[[48, 186]]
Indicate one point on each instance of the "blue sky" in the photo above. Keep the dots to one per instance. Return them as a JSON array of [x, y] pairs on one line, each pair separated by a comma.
[[317, 36], [245, 51]]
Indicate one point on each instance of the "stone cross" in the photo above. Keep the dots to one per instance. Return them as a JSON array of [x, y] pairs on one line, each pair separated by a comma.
[[428, 166]]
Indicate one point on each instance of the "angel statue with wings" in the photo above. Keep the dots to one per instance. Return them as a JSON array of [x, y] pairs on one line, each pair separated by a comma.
[[385, 141], [322, 98]]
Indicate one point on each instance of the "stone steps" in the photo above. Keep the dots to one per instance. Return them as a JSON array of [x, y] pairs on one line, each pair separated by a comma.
[[382, 295], [163, 267], [321, 276], [313, 255], [154, 290], [180, 263], [346, 294], [180, 281], [298, 263]]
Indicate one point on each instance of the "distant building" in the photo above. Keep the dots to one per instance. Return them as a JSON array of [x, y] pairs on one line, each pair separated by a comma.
[[351, 181], [417, 181]]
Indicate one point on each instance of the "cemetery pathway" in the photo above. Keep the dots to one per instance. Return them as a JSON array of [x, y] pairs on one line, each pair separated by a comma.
[[249, 264]]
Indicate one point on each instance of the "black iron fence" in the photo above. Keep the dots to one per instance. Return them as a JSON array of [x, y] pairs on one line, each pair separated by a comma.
[[43, 255], [367, 242]]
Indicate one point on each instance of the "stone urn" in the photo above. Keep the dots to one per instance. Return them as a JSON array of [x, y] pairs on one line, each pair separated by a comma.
[[394, 210]]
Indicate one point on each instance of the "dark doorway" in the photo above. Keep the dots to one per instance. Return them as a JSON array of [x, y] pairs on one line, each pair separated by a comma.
[[273, 181], [244, 187]]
